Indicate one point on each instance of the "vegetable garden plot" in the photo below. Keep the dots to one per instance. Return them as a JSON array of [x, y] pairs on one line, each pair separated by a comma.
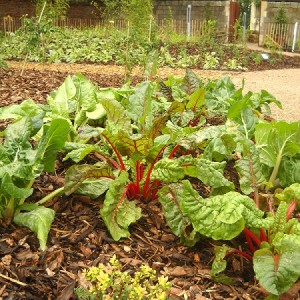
[[133, 148]]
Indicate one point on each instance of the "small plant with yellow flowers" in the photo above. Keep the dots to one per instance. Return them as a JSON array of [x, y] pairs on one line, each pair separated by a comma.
[[110, 282]]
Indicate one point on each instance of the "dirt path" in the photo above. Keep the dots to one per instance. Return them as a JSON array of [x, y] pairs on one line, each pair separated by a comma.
[[283, 84]]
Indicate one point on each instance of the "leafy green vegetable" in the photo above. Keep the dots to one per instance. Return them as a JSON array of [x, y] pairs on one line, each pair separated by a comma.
[[277, 270], [22, 160], [276, 141], [39, 221], [117, 212]]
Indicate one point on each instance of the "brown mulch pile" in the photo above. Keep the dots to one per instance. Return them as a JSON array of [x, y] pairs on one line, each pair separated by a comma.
[[79, 239]]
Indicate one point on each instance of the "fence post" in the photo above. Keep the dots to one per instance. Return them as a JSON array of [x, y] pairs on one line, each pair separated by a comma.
[[244, 26], [188, 20], [295, 36]]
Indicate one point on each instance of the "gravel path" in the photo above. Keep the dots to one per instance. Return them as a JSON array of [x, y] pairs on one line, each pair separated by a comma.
[[284, 85]]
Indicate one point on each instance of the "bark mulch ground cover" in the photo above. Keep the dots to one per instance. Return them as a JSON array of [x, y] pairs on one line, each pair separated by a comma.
[[78, 238]]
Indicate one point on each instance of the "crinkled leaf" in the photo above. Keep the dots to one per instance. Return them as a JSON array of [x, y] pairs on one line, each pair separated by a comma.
[[218, 92], [52, 141], [151, 64], [167, 170], [182, 119], [191, 82], [193, 140], [93, 187], [87, 131], [117, 212], [127, 145], [220, 148], [17, 137], [77, 174], [250, 171], [116, 114], [210, 173], [289, 171], [275, 277], [9, 188], [176, 107], [170, 198], [219, 264], [290, 193], [39, 221], [280, 219], [223, 216], [158, 125], [245, 117]]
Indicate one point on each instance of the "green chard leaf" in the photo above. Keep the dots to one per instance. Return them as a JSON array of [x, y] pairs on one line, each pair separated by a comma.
[[209, 172], [170, 197], [94, 187], [86, 92], [277, 271], [289, 171], [196, 99], [27, 108], [127, 145], [221, 217], [276, 141], [77, 151], [250, 170], [167, 170], [77, 174], [219, 263], [116, 115], [290, 193], [139, 105], [117, 212], [52, 141], [39, 221], [59, 100], [191, 82], [17, 137]]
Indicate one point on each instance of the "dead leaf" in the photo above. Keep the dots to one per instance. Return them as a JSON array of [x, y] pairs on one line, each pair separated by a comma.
[[127, 249], [55, 260], [6, 260], [131, 261], [67, 292], [26, 254], [181, 271], [86, 251], [49, 272]]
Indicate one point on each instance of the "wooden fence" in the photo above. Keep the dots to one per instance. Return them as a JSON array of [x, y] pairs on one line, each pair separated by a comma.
[[277, 34], [280, 35], [198, 27]]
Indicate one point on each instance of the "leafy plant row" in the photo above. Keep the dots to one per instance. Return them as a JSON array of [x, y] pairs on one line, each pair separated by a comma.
[[45, 43], [152, 142]]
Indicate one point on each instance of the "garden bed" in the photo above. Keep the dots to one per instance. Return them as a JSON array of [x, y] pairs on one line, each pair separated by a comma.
[[79, 239]]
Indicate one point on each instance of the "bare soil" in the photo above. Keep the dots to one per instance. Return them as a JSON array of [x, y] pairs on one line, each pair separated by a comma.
[[78, 238]]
